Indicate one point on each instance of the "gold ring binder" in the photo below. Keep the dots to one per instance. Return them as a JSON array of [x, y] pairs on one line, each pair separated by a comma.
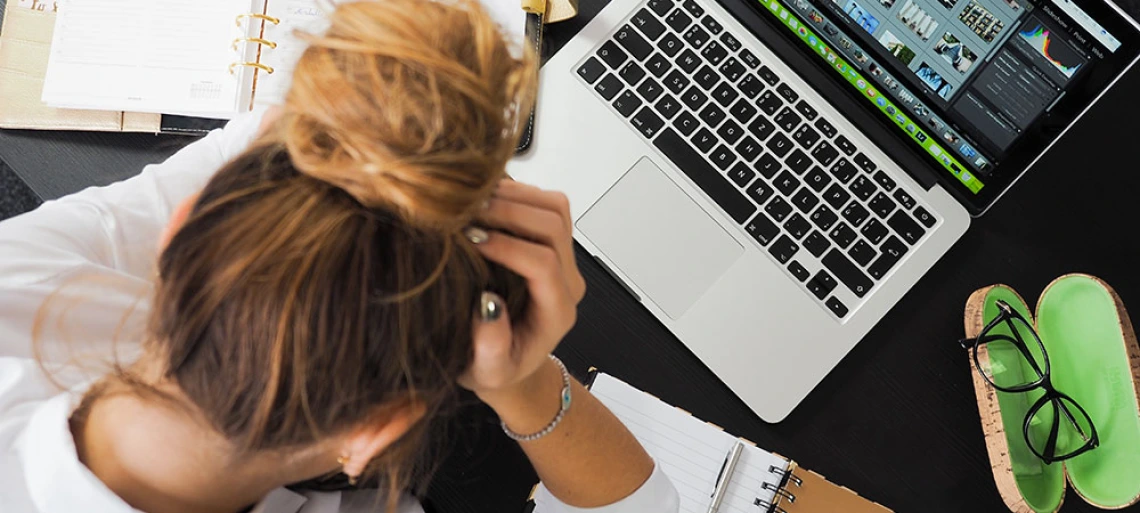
[[257, 65], [256, 40], [243, 17]]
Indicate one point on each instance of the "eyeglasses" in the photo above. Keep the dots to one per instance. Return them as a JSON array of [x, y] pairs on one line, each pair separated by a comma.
[[1056, 428]]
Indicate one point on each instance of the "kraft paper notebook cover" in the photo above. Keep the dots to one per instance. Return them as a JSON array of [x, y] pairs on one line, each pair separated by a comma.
[[692, 453]]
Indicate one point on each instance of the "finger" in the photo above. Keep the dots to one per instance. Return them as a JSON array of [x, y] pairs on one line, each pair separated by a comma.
[[529, 222], [531, 195], [493, 342], [541, 268]]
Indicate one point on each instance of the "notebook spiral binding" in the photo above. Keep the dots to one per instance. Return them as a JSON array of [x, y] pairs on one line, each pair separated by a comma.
[[264, 43], [780, 488]]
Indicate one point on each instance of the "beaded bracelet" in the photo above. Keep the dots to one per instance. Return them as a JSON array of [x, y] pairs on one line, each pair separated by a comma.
[[565, 398]]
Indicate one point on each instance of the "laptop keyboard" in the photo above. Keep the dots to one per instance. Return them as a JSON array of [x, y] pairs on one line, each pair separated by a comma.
[[802, 190]]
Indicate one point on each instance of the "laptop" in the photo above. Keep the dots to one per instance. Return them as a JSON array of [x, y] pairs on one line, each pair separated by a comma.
[[770, 177]]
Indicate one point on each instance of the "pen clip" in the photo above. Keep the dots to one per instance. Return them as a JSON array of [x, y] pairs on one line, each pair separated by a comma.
[[720, 475]]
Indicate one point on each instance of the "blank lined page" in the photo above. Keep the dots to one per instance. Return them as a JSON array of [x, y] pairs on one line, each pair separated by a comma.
[[689, 451]]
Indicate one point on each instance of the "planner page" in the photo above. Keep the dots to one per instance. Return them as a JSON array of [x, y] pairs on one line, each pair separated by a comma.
[[158, 56]]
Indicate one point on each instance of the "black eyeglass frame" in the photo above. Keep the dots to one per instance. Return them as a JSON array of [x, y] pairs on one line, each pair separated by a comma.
[[1052, 395]]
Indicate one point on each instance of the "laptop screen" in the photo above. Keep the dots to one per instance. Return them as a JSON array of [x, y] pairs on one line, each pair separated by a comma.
[[979, 87]]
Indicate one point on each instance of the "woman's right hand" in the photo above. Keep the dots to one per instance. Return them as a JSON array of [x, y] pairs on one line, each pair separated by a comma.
[[531, 233]]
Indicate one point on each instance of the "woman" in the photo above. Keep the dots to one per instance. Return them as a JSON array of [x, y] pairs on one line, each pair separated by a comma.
[[316, 303]]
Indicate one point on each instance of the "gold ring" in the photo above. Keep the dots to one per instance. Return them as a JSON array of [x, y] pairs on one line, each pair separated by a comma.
[[270, 19], [257, 40], [257, 65]]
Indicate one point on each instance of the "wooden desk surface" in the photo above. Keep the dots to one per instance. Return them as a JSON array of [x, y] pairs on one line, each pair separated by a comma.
[[896, 420]]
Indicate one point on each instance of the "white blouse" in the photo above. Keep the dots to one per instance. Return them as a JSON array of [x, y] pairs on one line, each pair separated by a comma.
[[101, 245]]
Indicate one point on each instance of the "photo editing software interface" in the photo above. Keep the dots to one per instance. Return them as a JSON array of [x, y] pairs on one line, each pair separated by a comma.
[[963, 79]]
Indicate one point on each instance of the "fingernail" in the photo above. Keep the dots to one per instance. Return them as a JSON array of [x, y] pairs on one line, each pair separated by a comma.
[[477, 235], [492, 307]]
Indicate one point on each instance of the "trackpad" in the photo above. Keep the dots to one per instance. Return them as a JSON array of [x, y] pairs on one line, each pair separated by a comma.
[[660, 238]]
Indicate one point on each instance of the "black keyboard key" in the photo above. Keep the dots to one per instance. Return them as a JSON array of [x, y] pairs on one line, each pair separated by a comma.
[[676, 82], [714, 26], [797, 269], [648, 24], [750, 59], [874, 231], [845, 145], [722, 157], [732, 70], [609, 87], [741, 174], [632, 73], [749, 149], [661, 7], [730, 132], [817, 179], [884, 181], [826, 128], [842, 235], [855, 214], [650, 90], [670, 45], [788, 119], [768, 166], [695, 9], [821, 285], [704, 140], [693, 164], [786, 91], [706, 77], [824, 218], [863, 188], [847, 272], [742, 110], [592, 70], [769, 76], [816, 243], [904, 199], [836, 196], [881, 205], [762, 229], [837, 307], [924, 217], [862, 253], [798, 161], [759, 191], [694, 98], [647, 122], [750, 86], [778, 209], [843, 170], [715, 53], [679, 20], [864, 163], [730, 42], [806, 110], [825, 153], [905, 226], [805, 200], [890, 253], [612, 55], [627, 103], [770, 102], [712, 115], [784, 249], [658, 65], [688, 61], [696, 36], [633, 42], [780, 145], [797, 226], [806, 136], [761, 128], [686, 123], [786, 183], [725, 94]]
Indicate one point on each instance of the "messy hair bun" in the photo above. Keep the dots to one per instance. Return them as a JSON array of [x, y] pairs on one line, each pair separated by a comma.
[[409, 105]]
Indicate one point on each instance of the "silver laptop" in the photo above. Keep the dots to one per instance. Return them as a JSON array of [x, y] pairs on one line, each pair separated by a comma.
[[770, 177]]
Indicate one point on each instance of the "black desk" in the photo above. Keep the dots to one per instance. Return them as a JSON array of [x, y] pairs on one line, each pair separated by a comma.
[[896, 420]]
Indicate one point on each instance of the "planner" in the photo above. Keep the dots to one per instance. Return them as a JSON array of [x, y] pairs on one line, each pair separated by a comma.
[[694, 454]]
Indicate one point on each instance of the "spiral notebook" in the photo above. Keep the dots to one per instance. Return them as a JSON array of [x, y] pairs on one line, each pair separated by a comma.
[[693, 454], [208, 58]]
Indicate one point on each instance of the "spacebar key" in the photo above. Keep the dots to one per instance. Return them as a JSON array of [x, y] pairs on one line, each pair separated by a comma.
[[722, 192]]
